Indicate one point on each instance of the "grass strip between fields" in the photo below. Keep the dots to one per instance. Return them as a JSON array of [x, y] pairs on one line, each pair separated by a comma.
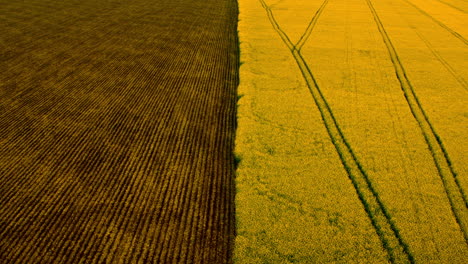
[[398, 251]]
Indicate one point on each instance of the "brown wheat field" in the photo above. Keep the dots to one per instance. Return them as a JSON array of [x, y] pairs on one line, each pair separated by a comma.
[[117, 121]]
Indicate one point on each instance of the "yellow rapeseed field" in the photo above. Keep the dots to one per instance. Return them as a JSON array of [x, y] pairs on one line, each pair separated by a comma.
[[352, 124]]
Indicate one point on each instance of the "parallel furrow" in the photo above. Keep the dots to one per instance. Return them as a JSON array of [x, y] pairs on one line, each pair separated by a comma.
[[116, 145]]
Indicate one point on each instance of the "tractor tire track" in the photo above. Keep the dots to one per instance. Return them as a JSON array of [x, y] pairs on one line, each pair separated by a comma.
[[436, 54], [303, 39], [398, 251], [452, 6], [453, 189], [455, 34]]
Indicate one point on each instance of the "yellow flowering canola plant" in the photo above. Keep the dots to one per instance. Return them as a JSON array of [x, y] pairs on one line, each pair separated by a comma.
[[352, 132]]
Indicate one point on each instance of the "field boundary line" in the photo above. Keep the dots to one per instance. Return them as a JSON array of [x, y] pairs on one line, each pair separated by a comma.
[[453, 189], [398, 251], [456, 34]]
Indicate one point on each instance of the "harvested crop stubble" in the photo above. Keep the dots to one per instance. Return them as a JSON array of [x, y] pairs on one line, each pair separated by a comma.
[[117, 124]]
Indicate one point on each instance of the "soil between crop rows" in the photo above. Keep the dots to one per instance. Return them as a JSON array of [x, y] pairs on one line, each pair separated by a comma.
[[117, 129]]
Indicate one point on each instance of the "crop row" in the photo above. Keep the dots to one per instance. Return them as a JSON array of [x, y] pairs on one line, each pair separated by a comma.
[[118, 133]]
